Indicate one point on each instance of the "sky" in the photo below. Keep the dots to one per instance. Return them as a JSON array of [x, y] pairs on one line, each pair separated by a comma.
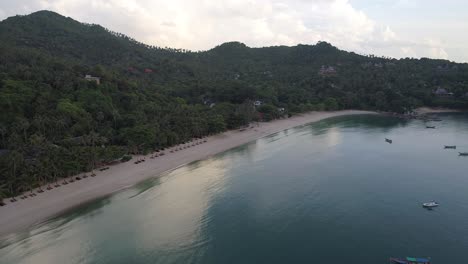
[[393, 28]]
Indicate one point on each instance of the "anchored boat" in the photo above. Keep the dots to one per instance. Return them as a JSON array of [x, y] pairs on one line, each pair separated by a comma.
[[450, 147], [388, 140], [463, 153], [430, 204], [430, 127], [409, 260]]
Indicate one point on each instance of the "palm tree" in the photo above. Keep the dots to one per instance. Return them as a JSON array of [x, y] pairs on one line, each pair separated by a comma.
[[39, 180], [92, 140], [16, 159], [13, 199], [55, 162], [23, 184], [3, 133], [54, 175], [3, 194], [39, 121], [61, 123], [44, 168], [31, 190], [22, 126], [71, 180]]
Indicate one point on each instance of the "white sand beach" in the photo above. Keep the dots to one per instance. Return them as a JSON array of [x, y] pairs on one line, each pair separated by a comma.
[[20, 215]]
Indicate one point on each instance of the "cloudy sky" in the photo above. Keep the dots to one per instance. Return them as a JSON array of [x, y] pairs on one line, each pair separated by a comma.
[[396, 28]]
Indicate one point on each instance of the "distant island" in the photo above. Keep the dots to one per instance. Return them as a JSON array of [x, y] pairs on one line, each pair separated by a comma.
[[75, 97]]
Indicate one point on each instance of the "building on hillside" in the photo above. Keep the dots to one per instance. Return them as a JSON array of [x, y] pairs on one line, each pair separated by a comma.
[[209, 102], [378, 65], [147, 70], [442, 92], [268, 74], [327, 70], [257, 103], [90, 78]]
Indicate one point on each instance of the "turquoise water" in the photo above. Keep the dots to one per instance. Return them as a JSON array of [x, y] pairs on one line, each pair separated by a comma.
[[330, 192]]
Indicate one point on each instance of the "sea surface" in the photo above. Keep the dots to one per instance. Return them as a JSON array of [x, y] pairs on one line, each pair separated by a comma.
[[330, 192]]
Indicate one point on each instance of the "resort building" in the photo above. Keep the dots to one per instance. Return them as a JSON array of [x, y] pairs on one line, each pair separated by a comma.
[[90, 78], [442, 92], [327, 70]]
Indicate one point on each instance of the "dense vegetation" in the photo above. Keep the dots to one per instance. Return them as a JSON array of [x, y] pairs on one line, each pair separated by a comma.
[[54, 123]]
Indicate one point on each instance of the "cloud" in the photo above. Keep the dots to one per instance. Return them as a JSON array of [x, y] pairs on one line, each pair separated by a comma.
[[436, 49], [203, 24]]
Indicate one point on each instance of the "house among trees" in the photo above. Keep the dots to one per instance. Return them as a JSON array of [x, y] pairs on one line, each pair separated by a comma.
[[378, 65], [90, 78], [442, 92], [257, 103], [327, 70], [209, 103], [147, 70], [268, 74]]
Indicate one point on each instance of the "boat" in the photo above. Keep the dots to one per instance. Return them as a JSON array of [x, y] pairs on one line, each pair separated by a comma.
[[430, 127], [388, 140], [463, 153], [430, 204], [450, 147], [409, 260]]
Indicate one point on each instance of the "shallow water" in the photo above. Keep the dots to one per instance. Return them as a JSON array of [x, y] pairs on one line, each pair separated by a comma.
[[330, 192]]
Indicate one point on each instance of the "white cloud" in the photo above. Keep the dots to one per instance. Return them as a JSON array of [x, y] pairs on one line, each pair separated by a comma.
[[203, 24], [436, 49]]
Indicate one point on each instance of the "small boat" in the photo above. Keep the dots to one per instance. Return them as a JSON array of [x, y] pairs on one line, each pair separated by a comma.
[[409, 260], [388, 140], [430, 204], [450, 147], [463, 153], [430, 127]]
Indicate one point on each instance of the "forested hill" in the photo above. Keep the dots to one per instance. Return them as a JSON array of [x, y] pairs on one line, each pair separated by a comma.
[[54, 122]]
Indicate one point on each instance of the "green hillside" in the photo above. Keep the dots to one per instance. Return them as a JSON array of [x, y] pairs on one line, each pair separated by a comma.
[[54, 123]]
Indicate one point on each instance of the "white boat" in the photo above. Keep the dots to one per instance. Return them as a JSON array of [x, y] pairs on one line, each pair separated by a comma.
[[430, 204]]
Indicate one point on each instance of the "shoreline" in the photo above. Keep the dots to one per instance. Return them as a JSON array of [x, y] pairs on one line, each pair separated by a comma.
[[433, 110], [18, 216]]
